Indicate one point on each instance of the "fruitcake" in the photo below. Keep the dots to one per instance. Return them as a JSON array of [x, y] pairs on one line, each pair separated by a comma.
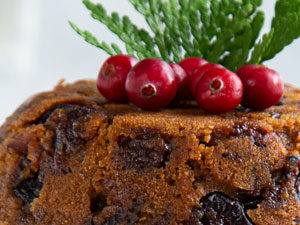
[[70, 157]]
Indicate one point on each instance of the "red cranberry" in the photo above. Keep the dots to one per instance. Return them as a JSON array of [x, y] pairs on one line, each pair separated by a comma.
[[196, 76], [112, 77], [191, 64], [219, 91], [182, 80], [263, 87], [151, 84]]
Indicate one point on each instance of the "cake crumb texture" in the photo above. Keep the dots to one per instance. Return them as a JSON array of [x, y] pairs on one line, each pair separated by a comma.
[[69, 157]]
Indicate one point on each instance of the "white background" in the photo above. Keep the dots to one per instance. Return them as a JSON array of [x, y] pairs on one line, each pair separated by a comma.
[[37, 46]]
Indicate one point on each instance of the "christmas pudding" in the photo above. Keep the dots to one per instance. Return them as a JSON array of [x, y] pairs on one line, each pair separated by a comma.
[[187, 128]]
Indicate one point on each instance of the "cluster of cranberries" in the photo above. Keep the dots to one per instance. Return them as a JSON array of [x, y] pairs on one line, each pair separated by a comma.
[[152, 84]]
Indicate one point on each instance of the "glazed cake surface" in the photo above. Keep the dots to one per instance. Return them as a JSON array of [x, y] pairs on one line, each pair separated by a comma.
[[69, 157]]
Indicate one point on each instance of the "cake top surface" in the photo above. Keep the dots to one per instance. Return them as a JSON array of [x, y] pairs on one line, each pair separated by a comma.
[[188, 113]]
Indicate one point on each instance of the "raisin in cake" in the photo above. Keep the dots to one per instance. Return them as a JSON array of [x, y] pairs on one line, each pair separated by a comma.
[[69, 157]]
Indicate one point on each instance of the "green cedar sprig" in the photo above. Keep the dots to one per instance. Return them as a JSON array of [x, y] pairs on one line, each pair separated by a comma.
[[284, 30], [221, 31]]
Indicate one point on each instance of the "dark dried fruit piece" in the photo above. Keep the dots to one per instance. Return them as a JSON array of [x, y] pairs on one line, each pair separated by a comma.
[[68, 130], [72, 125], [250, 199], [98, 202], [293, 170], [27, 185], [19, 144], [290, 171], [44, 117], [68, 123], [297, 185], [113, 220], [217, 208], [28, 189], [256, 135], [129, 216], [132, 214], [147, 150]]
